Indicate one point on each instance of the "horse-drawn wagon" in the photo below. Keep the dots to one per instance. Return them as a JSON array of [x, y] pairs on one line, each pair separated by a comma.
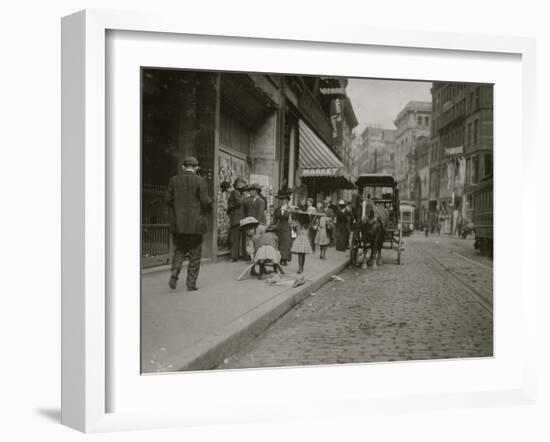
[[376, 215]]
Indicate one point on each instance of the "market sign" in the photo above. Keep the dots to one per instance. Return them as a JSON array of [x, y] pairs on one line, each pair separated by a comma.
[[451, 151]]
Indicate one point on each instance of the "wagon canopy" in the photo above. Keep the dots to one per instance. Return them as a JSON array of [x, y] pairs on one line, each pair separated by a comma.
[[376, 180]]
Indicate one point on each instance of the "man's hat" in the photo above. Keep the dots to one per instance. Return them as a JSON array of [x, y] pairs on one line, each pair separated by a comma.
[[341, 203], [190, 162], [255, 186]]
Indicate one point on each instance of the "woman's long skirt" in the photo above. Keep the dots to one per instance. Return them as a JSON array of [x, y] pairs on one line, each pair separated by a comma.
[[285, 240], [342, 235]]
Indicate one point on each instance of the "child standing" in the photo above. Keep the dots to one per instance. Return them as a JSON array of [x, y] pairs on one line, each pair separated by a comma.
[[310, 208], [301, 245], [321, 238]]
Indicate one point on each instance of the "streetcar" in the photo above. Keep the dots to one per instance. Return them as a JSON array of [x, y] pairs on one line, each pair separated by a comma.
[[482, 205], [381, 190], [406, 210]]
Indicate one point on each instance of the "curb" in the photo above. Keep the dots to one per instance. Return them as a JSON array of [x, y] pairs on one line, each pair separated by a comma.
[[210, 352]]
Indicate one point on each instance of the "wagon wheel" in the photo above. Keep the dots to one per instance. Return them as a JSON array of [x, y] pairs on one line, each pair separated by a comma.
[[399, 239]]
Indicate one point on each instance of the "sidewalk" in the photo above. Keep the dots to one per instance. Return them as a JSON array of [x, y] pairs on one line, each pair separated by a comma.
[[183, 330]]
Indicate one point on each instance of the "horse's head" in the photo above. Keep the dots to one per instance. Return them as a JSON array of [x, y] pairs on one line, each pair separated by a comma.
[[367, 210]]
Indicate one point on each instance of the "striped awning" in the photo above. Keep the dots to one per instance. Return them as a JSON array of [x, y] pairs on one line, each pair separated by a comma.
[[316, 160]]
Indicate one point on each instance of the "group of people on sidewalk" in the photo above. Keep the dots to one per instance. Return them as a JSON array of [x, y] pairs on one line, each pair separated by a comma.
[[293, 230], [239, 207], [300, 230]]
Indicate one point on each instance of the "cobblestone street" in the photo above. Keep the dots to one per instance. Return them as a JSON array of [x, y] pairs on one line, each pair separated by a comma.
[[437, 304]]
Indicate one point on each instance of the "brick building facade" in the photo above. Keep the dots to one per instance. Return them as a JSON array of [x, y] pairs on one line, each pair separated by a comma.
[[461, 151]]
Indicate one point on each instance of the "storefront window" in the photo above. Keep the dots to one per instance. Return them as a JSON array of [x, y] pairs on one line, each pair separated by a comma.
[[474, 170], [233, 133]]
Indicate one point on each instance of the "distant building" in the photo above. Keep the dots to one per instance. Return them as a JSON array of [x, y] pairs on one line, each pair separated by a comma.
[[412, 122], [377, 151], [422, 186], [355, 153], [386, 164], [462, 147]]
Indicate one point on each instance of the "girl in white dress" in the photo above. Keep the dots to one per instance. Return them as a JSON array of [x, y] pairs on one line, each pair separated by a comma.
[[301, 245], [321, 238]]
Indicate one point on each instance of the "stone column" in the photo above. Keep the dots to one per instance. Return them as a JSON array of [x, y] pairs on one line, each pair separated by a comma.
[[186, 122], [198, 134], [263, 148], [292, 158]]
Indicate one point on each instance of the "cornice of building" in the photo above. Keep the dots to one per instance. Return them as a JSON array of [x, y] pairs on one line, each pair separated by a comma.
[[413, 106]]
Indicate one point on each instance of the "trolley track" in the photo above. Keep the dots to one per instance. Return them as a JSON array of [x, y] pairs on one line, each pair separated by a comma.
[[452, 249], [472, 261], [476, 295]]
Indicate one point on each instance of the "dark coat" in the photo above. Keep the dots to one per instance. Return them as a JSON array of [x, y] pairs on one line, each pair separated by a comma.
[[255, 208], [342, 228], [283, 230], [235, 207], [189, 202], [247, 202]]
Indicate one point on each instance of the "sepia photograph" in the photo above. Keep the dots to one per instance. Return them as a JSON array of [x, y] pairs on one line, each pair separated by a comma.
[[298, 220]]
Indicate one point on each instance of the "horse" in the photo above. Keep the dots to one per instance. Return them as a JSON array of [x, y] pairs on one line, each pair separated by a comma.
[[371, 226]]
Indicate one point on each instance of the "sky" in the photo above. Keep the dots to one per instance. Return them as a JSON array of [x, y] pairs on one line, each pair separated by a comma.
[[377, 102]]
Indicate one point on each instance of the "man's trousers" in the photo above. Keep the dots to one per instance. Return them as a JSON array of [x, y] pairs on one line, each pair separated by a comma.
[[187, 244]]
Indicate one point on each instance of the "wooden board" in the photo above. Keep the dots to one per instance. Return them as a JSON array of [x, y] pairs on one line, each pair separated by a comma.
[[245, 272]]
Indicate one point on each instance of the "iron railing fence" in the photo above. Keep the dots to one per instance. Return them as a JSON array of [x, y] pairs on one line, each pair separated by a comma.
[[155, 227]]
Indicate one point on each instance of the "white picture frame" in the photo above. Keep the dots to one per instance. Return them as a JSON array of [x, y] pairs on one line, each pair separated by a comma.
[[85, 198]]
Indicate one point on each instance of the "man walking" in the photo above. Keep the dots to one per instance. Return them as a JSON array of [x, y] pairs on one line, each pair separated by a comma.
[[236, 213], [189, 203]]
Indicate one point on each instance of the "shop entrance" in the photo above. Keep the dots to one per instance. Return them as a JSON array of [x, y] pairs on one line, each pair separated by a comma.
[[233, 162], [230, 166]]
